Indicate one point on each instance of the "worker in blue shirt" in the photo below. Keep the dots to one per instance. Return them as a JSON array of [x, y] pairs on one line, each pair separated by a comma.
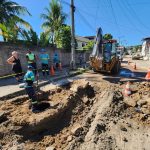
[[44, 58], [29, 79], [56, 60]]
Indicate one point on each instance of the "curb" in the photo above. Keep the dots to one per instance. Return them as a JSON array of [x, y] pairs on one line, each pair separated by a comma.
[[22, 91]]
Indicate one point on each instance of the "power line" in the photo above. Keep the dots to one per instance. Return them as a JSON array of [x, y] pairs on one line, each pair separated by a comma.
[[128, 18], [85, 21], [106, 21], [64, 2], [113, 12], [135, 15], [96, 14]]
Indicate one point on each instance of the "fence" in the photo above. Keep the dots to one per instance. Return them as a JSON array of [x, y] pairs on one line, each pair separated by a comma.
[[6, 50]]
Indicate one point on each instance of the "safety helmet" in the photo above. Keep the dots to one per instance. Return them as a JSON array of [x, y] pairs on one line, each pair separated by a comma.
[[30, 67], [43, 50]]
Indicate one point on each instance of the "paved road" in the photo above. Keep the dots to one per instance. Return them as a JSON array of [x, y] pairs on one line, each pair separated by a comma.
[[140, 64], [10, 85]]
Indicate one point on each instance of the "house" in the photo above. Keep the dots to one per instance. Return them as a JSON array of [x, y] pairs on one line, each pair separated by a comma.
[[81, 42], [146, 48], [91, 38]]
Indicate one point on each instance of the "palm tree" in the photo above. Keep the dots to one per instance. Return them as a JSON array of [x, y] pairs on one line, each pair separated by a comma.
[[10, 22], [54, 19], [10, 9]]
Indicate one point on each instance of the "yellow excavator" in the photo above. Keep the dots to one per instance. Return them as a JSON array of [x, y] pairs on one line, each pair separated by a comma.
[[104, 55]]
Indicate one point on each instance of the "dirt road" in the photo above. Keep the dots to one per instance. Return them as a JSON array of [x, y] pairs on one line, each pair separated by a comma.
[[89, 112]]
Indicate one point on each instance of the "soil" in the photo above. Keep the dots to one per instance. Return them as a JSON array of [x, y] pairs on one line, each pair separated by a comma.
[[84, 115]]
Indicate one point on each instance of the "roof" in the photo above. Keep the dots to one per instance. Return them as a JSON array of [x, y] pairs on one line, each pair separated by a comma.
[[81, 39], [145, 39], [90, 37]]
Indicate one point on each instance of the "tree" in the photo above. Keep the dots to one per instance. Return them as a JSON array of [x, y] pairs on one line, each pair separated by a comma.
[[54, 19], [107, 36], [13, 29], [9, 18], [30, 37], [44, 40], [89, 46], [64, 38]]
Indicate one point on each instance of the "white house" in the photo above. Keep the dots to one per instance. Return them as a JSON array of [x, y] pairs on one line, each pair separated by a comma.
[[81, 42], [146, 48]]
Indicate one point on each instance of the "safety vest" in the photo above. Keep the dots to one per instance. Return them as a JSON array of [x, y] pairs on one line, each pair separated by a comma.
[[31, 57], [29, 78]]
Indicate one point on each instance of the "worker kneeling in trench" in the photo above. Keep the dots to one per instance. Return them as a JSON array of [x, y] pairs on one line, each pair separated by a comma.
[[28, 85], [29, 79]]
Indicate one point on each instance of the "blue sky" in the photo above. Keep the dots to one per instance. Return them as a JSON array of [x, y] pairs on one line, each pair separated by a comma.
[[127, 20]]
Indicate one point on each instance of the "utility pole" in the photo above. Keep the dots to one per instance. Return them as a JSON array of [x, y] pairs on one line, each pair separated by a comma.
[[72, 63]]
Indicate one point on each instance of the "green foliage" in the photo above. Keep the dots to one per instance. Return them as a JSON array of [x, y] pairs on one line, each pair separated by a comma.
[[30, 37], [10, 9], [63, 39], [53, 19], [12, 30], [33, 36], [44, 40], [89, 46], [107, 36], [10, 23]]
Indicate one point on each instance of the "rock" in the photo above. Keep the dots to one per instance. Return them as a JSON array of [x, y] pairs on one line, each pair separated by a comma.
[[141, 102], [101, 128], [143, 117], [123, 128], [148, 101], [146, 110], [85, 100], [129, 101], [129, 125], [80, 139], [59, 90], [74, 88], [50, 148], [69, 139], [124, 139], [76, 129], [17, 146]]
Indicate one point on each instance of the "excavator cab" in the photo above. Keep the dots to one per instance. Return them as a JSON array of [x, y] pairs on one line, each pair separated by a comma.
[[104, 55]]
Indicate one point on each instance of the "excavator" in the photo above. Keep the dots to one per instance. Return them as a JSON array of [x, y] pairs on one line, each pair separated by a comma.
[[104, 55]]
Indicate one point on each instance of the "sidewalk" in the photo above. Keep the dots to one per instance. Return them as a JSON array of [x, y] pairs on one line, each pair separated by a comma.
[[9, 86]]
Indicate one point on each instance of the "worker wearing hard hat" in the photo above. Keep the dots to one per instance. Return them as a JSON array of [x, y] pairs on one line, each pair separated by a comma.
[[44, 58], [29, 79]]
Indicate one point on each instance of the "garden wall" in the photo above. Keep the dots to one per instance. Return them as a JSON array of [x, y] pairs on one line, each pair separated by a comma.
[[6, 49]]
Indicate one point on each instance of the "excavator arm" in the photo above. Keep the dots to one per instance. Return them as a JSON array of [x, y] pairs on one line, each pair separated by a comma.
[[96, 56]]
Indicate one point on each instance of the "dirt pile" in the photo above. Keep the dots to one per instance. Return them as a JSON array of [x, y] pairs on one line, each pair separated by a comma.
[[139, 101], [82, 116]]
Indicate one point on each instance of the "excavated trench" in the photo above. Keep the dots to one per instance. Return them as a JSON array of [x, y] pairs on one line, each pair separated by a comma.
[[56, 111], [81, 115]]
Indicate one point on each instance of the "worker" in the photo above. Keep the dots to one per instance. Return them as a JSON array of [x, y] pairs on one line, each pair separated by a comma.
[[44, 58], [16, 65], [29, 79], [31, 59], [56, 60]]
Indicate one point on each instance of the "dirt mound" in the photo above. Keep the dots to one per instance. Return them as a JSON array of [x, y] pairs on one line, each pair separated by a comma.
[[83, 115]]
